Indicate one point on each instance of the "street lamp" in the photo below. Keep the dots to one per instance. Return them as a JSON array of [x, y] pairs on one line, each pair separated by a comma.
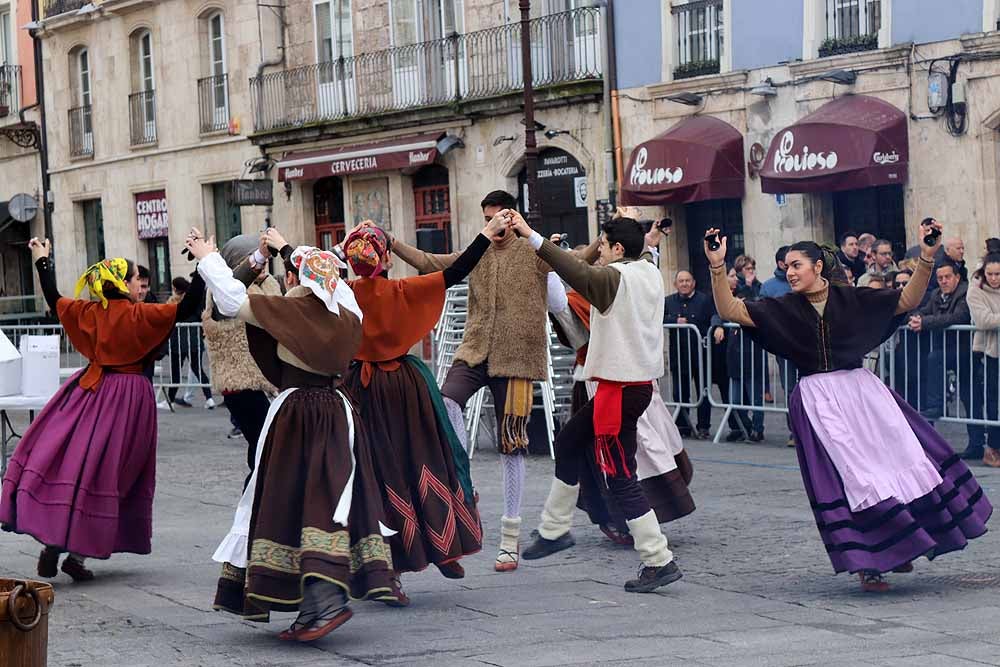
[[530, 143]]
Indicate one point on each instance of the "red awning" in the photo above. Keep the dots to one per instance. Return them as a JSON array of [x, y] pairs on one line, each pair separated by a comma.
[[699, 158], [853, 142], [402, 153]]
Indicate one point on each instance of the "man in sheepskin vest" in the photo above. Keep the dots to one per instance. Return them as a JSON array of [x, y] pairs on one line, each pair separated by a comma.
[[503, 348], [624, 357], [234, 373]]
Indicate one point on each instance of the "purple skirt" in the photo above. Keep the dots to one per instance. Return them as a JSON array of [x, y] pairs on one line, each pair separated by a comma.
[[891, 533], [82, 477]]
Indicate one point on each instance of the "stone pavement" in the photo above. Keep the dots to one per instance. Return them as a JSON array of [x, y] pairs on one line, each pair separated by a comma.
[[757, 587]]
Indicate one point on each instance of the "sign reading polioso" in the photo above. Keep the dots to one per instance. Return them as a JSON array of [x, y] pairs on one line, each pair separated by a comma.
[[400, 154], [151, 214]]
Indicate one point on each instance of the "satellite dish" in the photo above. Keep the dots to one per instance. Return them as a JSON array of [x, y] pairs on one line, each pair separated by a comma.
[[23, 208]]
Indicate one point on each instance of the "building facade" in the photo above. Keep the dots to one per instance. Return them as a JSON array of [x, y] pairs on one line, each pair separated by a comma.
[[408, 112], [20, 166], [148, 109], [840, 115]]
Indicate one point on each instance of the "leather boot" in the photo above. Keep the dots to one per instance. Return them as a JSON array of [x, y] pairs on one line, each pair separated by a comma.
[[557, 517]]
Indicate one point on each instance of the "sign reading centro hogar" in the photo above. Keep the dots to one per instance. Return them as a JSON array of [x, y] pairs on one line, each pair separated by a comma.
[[151, 215]]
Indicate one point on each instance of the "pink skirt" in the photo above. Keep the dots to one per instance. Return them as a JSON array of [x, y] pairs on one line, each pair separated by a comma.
[[82, 478]]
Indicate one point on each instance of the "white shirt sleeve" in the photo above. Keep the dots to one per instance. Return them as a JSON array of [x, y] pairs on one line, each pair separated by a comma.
[[556, 294], [656, 254], [535, 240], [228, 292]]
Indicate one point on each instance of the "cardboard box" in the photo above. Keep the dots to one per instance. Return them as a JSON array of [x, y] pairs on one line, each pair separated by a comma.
[[10, 367], [39, 365]]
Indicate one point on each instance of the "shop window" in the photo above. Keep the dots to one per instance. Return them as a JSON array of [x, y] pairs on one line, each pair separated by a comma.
[[159, 268], [93, 230], [724, 214], [328, 203], [432, 203]]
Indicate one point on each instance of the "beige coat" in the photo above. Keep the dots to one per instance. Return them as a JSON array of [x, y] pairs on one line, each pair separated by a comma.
[[984, 304], [507, 308], [233, 369]]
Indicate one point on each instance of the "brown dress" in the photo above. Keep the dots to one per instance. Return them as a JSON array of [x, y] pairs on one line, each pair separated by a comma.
[[422, 469], [305, 466]]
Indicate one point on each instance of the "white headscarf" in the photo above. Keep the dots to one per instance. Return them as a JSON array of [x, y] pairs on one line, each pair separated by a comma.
[[319, 271]]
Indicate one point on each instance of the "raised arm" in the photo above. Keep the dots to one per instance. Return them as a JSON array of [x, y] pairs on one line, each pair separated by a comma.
[[40, 254], [728, 306], [597, 284], [424, 262], [193, 299], [913, 293]]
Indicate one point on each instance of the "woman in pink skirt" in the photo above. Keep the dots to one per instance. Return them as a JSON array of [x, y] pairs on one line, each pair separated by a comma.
[[81, 480]]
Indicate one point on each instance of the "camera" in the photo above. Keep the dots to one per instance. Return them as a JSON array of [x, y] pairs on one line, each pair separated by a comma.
[[931, 237], [713, 242], [563, 243], [664, 224]]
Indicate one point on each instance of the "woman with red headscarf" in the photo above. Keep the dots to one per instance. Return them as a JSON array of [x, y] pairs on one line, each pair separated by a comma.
[[420, 463]]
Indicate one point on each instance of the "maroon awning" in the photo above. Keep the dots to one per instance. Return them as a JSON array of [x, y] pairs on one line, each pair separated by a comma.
[[402, 153], [850, 143], [699, 158]]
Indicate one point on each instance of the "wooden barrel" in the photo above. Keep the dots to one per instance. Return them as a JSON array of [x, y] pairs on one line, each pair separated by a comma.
[[24, 622]]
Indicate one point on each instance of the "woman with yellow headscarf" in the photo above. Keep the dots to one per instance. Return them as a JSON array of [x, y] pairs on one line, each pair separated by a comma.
[[81, 480]]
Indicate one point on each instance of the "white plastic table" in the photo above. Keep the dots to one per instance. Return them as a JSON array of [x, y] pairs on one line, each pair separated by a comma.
[[7, 432]]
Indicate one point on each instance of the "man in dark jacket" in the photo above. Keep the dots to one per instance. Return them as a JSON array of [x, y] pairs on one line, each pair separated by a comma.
[[850, 255], [949, 350], [684, 351]]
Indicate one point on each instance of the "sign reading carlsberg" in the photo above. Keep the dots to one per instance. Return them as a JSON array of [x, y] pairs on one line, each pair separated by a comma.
[[786, 162], [658, 176]]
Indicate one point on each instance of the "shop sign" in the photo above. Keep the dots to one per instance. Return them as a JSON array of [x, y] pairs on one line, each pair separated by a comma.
[[252, 192], [151, 214], [654, 175], [788, 160]]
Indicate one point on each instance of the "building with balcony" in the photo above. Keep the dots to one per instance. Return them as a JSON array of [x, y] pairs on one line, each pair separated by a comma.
[[148, 107], [20, 168], [408, 112], [782, 120]]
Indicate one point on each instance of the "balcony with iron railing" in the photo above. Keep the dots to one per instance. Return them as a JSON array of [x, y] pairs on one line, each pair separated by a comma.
[[565, 49], [81, 132], [213, 104], [10, 93], [56, 7], [851, 26], [142, 118], [699, 30]]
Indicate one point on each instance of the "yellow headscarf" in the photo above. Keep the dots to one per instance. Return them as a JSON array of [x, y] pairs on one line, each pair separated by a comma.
[[112, 271]]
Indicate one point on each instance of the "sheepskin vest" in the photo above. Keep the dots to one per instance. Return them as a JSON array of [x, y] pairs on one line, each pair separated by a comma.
[[233, 369], [505, 325]]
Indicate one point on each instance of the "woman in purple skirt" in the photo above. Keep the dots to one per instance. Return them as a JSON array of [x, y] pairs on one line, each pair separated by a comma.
[[885, 488], [81, 480]]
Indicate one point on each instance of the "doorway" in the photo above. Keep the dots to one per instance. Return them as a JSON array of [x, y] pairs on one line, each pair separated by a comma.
[[563, 195], [159, 268], [878, 211], [724, 214]]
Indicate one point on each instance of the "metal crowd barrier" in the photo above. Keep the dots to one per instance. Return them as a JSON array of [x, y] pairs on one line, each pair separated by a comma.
[[172, 366]]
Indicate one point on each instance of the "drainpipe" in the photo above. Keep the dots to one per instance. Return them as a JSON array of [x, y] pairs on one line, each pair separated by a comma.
[[43, 149], [264, 64], [610, 75]]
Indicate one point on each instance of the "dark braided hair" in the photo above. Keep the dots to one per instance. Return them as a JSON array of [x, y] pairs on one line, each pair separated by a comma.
[[833, 271]]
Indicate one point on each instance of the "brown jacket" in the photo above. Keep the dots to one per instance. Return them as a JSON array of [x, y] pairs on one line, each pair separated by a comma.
[[507, 308], [233, 369]]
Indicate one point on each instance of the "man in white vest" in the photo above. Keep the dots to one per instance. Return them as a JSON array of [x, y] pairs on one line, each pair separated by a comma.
[[624, 357]]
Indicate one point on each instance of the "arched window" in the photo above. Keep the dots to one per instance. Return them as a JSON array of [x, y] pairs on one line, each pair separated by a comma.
[[80, 114], [142, 102]]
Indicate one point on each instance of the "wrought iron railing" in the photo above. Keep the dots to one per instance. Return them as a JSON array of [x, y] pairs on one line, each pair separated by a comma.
[[699, 29], [213, 103], [10, 90], [851, 26], [565, 47], [81, 132], [56, 7], [142, 117]]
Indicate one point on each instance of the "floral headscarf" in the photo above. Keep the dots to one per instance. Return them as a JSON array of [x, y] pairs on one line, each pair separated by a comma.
[[366, 250], [319, 271], [106, 272]]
